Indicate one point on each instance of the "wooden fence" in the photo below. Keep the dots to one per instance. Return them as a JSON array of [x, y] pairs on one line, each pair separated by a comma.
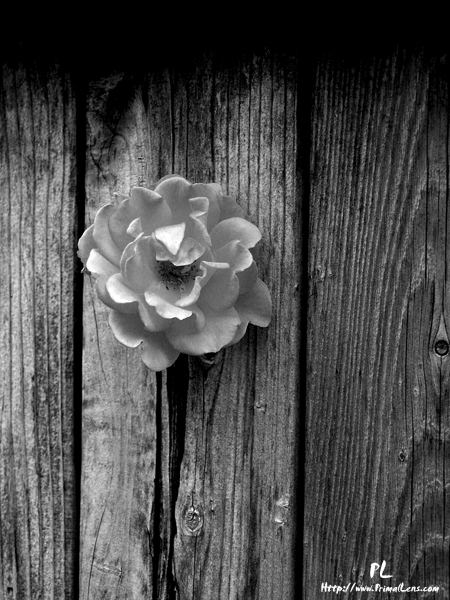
[[307, 451]]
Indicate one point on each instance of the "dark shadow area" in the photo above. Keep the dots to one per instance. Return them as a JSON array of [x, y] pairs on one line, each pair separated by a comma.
[[170, 437], [305, 77], [177, 393], [80, 194], [96, 39], [158, 506], [97, 43]]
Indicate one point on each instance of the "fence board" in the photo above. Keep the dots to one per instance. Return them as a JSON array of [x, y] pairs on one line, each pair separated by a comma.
[[377, 465], [119, 393], [235, 525], [37, 480]]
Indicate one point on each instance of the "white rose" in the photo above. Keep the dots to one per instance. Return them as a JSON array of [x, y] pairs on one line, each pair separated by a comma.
[[175, 268]]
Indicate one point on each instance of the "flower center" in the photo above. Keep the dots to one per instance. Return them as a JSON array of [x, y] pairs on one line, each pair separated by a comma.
[[175, 277]]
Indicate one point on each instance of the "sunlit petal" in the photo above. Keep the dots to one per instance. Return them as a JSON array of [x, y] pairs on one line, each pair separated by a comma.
[[157, 353], [102, 234], [236, 255], [128, 329], [235, 228], [86, 243], [119, 291], [256, 305], [171, 236], [222, 290], [218, 331], [99, 265]]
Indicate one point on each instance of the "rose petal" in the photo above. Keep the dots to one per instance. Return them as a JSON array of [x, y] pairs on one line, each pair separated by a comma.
[[175, 191], [178, 192], [222, 290], [219, 330], [170, 311], [200, 280], [126, 253], [99, 265], [196, 224], [165, 292], [190, 250], [122, 295], [85, 244], [235, 228], [119, 221], [102, 234], [135, 228], [199, 208], [247, 278], [151, 319], [144, 205], [213, 192], [157, 353], [255, 305], [119, 291], [180, 296], [171, 237], [191, 325], [229, 208], [151, 208], [215, 265], [127, 329], [193, 294], [139, 268], [240, 332], [165, 309], [103, 294], [236, 255]]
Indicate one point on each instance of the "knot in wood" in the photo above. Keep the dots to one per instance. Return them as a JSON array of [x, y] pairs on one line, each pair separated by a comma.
[[193, 520], [441, 347]]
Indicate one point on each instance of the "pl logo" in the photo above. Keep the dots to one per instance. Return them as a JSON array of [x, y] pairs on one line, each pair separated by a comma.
[[374, 567]]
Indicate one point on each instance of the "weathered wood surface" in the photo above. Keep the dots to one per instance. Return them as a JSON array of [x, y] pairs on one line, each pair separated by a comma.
[[119, 393], [38, 527], [234, 511], [377, 459], [188, 488], [221, 445]]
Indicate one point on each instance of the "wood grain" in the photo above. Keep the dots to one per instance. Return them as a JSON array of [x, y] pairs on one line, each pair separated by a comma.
[[224, 440], [377, 461], [119, 393], [189, 484], [235, 518], [38, 529]]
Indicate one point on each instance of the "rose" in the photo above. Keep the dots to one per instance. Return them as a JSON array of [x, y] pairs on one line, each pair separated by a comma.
[[175, 268]]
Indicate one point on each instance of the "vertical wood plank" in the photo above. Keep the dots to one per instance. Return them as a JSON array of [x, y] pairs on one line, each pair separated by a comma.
[[119, 393], [377, 465], [37, 240], [235, 524]]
